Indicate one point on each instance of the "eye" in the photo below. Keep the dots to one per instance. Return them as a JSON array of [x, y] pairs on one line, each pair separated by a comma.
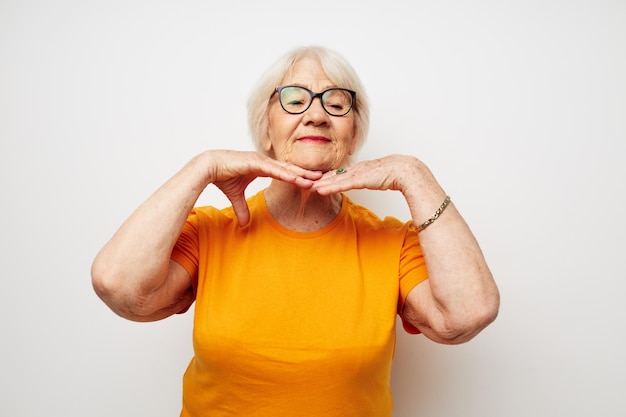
[[337, 106], [336, 101], [293, 97]]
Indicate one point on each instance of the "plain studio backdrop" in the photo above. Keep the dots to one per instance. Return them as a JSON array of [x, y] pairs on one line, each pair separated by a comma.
[[518, 107]]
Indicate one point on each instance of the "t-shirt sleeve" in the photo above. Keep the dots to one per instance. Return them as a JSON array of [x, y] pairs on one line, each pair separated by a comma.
[[412, 272], [187, 249]]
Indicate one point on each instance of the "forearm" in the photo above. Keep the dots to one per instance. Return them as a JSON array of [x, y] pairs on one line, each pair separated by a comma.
[[464, 297], [135, 261]]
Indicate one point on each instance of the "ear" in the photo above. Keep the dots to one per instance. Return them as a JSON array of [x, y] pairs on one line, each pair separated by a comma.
[[267, 143], [353, 142]]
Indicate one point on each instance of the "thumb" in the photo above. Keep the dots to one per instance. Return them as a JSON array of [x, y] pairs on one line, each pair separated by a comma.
[[240, 207]]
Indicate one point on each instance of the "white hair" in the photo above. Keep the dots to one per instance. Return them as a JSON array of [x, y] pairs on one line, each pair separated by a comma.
[[336, 67]]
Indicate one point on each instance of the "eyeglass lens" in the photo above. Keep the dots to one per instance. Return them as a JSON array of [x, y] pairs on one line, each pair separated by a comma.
[[336, 101]]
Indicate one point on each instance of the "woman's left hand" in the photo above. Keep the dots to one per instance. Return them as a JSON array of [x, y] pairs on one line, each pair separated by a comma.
[[393, 172], [403, 173]]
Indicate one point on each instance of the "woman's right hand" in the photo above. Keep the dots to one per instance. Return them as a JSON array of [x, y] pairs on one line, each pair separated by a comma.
[[233, 171]]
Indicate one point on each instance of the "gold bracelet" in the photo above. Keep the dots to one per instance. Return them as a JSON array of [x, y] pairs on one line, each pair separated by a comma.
[[434, 216]]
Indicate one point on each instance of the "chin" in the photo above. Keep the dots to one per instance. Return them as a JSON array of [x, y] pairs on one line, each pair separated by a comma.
[[323, 165], [314, 165]]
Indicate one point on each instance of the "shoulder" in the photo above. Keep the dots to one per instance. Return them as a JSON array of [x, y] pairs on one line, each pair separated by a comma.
[[201, 214], [214, 217], [364, 217]]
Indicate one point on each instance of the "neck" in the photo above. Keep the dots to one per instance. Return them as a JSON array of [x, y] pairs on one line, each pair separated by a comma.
[[298, 209]]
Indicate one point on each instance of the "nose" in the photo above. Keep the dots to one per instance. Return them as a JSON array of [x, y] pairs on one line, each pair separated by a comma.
[[315, 114]]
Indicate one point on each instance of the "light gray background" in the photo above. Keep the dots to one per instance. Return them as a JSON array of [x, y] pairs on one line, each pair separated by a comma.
[[517, 106]]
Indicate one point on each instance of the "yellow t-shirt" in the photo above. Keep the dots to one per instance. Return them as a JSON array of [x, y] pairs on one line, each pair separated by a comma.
[[292, 323]]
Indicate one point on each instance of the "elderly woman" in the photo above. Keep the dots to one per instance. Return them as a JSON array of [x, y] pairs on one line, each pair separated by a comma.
[[297, 288]]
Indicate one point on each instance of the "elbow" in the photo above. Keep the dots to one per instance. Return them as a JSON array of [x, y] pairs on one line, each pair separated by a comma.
[[461, 327], [103, 282], [456, 321], [112, 288], [490, 308], [463, 323], [108, 286], [484, 316]]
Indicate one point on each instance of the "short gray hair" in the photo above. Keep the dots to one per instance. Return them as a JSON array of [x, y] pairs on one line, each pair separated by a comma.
[[334, 65]]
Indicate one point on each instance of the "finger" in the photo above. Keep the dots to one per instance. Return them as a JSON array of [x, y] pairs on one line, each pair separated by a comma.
[[240, 207], [356, 177], [335, 182], [305, 173], [291, 173]]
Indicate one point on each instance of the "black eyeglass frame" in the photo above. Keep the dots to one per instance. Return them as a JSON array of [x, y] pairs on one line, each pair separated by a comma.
[[313, 96]]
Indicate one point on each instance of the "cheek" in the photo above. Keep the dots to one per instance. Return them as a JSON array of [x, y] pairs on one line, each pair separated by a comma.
[[269, 131], [280, 125], [267, 143], [350, 134]]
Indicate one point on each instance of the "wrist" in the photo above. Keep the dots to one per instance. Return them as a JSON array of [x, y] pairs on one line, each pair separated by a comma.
[[435, 215], [199, 171]]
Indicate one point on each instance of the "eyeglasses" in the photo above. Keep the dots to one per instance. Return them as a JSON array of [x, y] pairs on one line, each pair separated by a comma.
[[296, 100]]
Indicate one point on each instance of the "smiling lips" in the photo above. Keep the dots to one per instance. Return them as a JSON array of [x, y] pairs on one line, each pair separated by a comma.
[[314, 139]]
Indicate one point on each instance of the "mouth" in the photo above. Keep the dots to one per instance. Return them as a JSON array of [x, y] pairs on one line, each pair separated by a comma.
[[314, 139]]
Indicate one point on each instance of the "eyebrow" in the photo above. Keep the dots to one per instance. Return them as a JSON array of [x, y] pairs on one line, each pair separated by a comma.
[[326, 87]]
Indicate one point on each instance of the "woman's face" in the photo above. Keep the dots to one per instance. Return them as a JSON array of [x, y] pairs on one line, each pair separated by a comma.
[[314, 139]]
